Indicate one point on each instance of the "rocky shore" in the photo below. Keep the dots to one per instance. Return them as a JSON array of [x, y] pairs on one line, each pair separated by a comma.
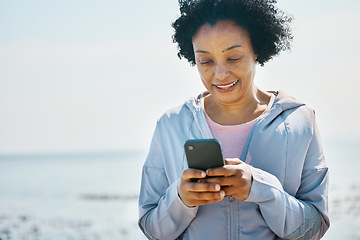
[[14, 225]]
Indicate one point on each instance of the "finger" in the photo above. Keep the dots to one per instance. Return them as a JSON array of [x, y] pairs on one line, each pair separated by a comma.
[[193, 198], [227, 181], [192, 173], [233, 161], [207, 196], [201, 187], [229, 190], [239, 193], [225, 171]]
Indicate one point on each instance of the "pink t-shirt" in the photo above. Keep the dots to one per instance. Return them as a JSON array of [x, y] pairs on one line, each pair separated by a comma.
[[233, 137]]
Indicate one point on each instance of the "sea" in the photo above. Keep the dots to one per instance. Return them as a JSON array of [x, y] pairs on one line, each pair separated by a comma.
[[94, 196]]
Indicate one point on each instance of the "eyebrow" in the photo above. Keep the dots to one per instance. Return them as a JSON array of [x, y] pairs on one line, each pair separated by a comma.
[[228, 49], [232, 47], [201, 51]]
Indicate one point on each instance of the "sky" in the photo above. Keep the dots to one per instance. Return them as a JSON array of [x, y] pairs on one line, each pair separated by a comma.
[[88, 76]]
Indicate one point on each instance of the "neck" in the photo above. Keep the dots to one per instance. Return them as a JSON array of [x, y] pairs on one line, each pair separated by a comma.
[[244, 110]]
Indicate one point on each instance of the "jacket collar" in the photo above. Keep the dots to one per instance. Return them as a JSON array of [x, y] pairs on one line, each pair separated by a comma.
[[282, 102]]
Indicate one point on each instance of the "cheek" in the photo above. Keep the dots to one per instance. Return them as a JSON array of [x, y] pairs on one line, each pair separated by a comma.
[[247, 67], [204, 73]]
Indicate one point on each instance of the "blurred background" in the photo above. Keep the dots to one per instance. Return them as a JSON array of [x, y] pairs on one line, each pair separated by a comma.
[[82, 84]]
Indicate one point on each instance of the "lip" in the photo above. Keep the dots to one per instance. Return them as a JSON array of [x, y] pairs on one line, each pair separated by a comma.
[[223, 88]]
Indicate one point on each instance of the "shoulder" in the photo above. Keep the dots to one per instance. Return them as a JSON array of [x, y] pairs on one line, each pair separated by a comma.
[[181, 113], [179, 118], [293, 113], [293, 108], [175, 114]]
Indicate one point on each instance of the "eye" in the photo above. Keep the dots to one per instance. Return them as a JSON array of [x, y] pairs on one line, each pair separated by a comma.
[[205, 61], [236, 59]]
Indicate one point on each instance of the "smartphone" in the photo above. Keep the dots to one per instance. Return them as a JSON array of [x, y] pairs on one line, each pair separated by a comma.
[[204, 153]]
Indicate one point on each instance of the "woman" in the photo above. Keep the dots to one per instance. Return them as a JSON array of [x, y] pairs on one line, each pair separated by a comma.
[[274, 184]]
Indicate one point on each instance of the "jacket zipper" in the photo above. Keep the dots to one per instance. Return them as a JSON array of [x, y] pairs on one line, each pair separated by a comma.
[[233, 220]]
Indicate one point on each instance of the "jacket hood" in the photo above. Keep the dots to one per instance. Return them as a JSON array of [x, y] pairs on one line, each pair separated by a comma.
[[285, 101]]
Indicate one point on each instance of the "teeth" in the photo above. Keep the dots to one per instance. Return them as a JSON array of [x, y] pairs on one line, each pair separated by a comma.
[[227, 86]]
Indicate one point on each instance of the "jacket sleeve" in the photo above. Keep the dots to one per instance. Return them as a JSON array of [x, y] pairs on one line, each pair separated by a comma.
[[304, 216], [162, 213]]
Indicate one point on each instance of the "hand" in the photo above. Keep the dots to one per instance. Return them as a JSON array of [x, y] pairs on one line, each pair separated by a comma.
[[198, 193], [235, 178]]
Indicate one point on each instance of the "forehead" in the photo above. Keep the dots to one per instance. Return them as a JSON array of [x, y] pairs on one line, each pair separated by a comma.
[[223, 31]]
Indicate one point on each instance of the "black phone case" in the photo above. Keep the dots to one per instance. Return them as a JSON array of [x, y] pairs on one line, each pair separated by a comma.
[[203, 154]]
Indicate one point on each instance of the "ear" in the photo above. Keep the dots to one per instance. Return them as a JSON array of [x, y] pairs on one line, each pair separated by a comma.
[[256, 58]]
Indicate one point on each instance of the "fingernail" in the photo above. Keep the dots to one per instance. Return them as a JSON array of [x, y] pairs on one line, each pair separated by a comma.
[[217, 187], [203, 174], [222, 193]]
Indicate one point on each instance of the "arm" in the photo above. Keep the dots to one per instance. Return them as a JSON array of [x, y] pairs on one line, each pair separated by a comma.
[[289, 217], [162, 213], [304, 216]]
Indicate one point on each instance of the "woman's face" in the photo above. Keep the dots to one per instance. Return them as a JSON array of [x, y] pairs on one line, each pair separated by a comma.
[[226, 61]]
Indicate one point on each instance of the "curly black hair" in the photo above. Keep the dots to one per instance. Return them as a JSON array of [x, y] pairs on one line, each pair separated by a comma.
[[268, 27]]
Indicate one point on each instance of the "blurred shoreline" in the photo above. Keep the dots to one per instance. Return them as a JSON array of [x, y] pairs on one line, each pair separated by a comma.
[[17, 224], [94, 196]]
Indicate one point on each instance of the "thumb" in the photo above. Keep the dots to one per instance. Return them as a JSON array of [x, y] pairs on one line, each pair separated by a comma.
[[233, 161]]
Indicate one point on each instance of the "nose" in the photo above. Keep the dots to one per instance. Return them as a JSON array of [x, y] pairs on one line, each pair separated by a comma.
[[221, 72]]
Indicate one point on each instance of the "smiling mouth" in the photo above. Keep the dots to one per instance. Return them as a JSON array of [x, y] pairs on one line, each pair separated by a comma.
[[226, 86]]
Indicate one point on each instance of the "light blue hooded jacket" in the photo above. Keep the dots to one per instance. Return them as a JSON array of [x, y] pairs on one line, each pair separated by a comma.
[[289, 194]]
